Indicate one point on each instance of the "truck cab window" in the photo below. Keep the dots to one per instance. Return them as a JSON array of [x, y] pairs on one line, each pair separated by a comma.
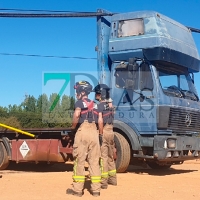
[[130, 28], [146, 81], [125, 78], [120, 77], [178, 84], [184, 83], [164, 79]]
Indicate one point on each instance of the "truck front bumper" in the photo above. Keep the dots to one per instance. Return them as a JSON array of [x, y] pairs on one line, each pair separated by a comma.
[[176, 148]]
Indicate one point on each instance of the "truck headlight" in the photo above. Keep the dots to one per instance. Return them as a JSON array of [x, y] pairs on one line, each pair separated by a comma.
[[171, 143]]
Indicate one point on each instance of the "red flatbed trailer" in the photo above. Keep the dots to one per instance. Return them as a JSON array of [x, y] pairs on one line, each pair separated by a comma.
[[49, 145]]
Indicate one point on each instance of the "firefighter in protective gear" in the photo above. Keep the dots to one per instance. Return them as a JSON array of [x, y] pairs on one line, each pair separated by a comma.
[[105, 126], [86, 143]]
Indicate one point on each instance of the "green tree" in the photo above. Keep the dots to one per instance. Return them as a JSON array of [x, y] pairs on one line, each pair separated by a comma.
[[3, 111], [10, 121], [66, 110], [42, 112], [29, 103], [42, 104]]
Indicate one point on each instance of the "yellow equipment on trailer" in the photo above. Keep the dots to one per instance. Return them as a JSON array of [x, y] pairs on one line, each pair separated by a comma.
[[17, 130]]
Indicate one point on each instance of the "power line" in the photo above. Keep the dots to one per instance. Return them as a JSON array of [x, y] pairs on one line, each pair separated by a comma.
[[47, 56], [55, 15], [194, 29], [60, 14], [36, 10]]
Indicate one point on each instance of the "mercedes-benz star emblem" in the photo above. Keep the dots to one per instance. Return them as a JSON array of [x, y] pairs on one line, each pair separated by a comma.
[[188, 119]]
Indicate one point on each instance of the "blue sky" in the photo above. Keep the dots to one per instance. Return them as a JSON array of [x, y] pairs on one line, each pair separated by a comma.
[[66, 37]]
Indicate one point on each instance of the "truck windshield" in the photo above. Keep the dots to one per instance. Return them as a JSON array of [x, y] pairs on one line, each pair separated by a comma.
[[177, 83]]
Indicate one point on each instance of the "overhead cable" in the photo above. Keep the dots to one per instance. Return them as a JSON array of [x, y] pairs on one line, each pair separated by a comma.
[[34, 10], [194, 29], [53, 15], [60, 14], [47, 56]]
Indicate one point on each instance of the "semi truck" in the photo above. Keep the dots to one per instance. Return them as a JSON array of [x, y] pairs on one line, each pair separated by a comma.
[[148, 60]]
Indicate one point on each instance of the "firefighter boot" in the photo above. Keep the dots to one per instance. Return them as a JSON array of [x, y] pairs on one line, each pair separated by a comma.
[[104, 183], [95, 194], [112, 180], [72, 192], [104, 186]]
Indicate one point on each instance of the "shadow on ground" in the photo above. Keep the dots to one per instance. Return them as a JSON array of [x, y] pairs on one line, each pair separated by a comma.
[[40, 167], [157, 172]]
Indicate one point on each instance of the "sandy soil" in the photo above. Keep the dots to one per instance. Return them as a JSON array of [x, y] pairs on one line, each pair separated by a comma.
[[33, 182]]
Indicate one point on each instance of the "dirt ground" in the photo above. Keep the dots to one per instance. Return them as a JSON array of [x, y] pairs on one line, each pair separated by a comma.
[[34, 182]]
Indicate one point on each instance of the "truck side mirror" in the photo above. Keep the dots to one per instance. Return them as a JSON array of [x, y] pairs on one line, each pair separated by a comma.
[[129, 84], [132, 65]]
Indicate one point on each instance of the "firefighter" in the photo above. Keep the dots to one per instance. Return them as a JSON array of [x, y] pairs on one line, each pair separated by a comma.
[[86, 143], [105, 126]]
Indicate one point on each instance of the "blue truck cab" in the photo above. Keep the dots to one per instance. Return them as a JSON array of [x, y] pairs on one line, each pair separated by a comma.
[[148, 60]]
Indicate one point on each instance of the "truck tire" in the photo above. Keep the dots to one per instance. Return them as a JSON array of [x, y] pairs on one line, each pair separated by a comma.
[[123, 152], [4, 160], [154, 165]]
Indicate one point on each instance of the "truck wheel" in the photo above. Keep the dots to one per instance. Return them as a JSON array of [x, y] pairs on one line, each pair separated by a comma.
[[154, 165], [4, 161], [123, 152]]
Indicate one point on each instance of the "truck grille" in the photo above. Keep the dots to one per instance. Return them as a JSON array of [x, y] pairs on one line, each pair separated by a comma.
[[184, 120]]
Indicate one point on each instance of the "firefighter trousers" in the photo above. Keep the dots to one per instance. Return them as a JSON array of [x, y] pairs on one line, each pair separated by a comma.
[[108, 168], [86, 147]]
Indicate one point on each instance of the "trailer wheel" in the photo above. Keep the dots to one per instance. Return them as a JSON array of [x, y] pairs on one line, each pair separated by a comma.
[[4, 160], [154, 165], [123, 152]]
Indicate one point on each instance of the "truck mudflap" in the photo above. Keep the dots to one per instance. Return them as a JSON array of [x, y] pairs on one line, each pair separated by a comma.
[[36, 150], [176, 148]]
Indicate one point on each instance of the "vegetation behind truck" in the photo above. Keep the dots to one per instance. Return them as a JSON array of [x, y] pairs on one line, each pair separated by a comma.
[[148, 60]]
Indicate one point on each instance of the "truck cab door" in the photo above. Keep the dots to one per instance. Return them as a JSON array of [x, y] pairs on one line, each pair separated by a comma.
[[132, 94], [125, 101], [148, 101]]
